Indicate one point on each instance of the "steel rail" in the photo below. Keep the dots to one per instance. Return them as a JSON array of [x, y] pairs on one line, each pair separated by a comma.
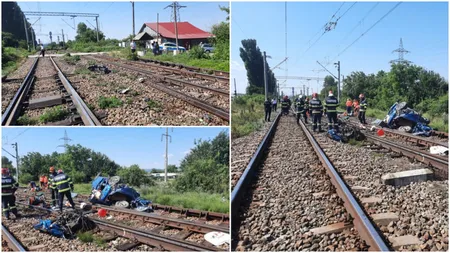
[[146, 237], [13, 243], [193, 212], [170, 222], [250, 171], [414, 139], [190, 100], [361, 220], [163, 78], [14, 107], [151, 238], [87, 116], [439, 162]]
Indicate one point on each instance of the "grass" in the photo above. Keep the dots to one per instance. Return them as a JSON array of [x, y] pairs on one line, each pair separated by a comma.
[[354, 142], [83, 188], [154, 105], [164, 195], [26, 120], [111, 102], [247, 115], [80, 71], [12, 57], [85, 236], [376, 113], [72, 60], [53, 114], [185, 60]]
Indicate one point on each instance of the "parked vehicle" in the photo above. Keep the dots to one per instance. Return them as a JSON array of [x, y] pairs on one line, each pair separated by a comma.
[[169, 47], [108, 191], [208, 48]]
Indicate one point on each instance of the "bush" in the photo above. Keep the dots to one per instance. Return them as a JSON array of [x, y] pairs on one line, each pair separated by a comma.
[[197, 52], [53, 114], [131, 56], [24, 178], [111, 102]]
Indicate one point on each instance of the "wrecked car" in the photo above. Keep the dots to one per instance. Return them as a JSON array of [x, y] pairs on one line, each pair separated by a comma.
[[400, 115], [108, 191]]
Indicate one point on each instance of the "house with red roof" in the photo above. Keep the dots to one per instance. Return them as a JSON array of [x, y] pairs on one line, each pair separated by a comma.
[[188, 34]]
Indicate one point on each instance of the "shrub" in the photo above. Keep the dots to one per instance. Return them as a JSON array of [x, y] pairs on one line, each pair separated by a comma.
[[110, 102], [197, 52], [24, 178], [53, 114]]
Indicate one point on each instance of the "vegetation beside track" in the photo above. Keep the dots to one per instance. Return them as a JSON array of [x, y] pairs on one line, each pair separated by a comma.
[[247, 114]]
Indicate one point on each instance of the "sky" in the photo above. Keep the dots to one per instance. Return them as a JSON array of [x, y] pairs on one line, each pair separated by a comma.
[[124, 145], [116, 17], [422, 26]]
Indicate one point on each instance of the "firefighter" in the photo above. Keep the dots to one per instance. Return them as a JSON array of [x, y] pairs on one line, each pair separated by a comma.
[[52, 186], [41, 181], [306, 111], [362, 109], [300, 104], [285, 104], [64, 185], [331, 104], [267, 110], [9, 187], [316, 110]]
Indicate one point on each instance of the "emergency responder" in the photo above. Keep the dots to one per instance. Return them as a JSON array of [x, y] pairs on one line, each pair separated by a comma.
[[355, 107], [285, 104], [267, 110], [41, 181], [64, 185], [52, 186], [9, 187], [306, 111], [331, 104], [362, 109], [348, 106], [274, 104], [316, 110], [300, 104]]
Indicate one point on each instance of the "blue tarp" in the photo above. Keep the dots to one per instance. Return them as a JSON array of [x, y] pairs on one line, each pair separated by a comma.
[[48, 227]]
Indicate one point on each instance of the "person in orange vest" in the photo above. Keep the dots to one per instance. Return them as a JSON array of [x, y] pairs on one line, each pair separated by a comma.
[[45, 182], [355, 106], [348, 104], [41, 181]]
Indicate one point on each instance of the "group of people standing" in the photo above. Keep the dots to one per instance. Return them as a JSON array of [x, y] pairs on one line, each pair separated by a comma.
[[315, 109]]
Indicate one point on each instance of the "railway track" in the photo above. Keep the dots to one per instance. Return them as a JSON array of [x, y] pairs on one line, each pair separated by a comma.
[[168, 84], [216, 73], [272, 180], [45, 86], [158, 232], [440, 163]]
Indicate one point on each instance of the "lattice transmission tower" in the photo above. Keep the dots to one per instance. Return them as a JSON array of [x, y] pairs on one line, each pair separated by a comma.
[[401, 52]]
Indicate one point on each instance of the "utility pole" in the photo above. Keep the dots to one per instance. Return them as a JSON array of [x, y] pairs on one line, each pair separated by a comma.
[[167, 151], [293, 93], [235, 90], [265, 76], [304, 90], [307, 91], [339, 79], [132, 7], [62, 32], [157, 27], [17, 159], [50, 35], [175, 6], [96, 21], [278, 90], [26, 34]]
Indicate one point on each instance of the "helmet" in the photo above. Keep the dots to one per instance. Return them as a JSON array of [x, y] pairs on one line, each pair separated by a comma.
[[330, 93], [60, 171], [361, 95], [314, 95], [5, 171], [300, 96], [52, 169]]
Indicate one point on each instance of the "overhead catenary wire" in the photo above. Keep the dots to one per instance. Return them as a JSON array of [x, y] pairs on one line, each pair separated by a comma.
[[370, 28], [346, 11]]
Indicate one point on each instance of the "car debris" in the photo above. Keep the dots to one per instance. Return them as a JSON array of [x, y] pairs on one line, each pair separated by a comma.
[[66, 225], [98, 68], [108, 191], [217, 238], [406, 119]]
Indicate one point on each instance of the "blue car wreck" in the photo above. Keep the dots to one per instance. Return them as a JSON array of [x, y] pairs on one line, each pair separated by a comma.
[[400, 115], [108, 191]]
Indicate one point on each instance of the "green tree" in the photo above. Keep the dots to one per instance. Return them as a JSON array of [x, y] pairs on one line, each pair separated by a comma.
[[253, 60], [329, 83], [221, 39], [13, 23], [135, 176], [86, 34], [6, 163], [172, 168]]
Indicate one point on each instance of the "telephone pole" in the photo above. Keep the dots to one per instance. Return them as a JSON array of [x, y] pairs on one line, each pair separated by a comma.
[[235, 90], [17, 159], [175, 6], [132, 6], [338, 64], [26, 34], [265, 76], [167, 151]]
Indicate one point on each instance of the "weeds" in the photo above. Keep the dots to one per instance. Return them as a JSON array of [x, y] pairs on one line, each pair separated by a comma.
[[72, 60], [84, 71], [53, 114], [85, 236], [154, 105], [354, 142], [111, 102], [26, 120]]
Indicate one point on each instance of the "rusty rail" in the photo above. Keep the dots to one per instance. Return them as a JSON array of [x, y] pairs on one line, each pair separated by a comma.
[[361, 220], [15, 106], [193, 212], [13, 243], [219, 112]]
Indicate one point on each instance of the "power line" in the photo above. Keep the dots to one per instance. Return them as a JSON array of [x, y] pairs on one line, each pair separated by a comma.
[[379, 20], [234, 19], [20, 133], [346, 11]]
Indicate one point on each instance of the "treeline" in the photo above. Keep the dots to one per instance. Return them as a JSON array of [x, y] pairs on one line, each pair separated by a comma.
[[204, 169], [423, 90], [13, 28], [252, 57]]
